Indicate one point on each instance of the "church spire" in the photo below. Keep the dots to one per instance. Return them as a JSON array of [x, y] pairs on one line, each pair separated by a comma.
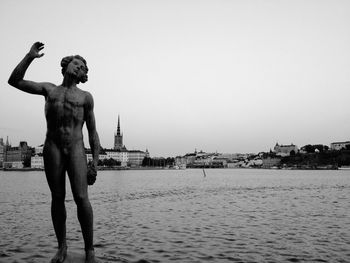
[[118, 127], [118, 138]]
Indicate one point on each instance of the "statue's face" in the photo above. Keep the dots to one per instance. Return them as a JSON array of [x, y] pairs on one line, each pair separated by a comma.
[[76, 68]]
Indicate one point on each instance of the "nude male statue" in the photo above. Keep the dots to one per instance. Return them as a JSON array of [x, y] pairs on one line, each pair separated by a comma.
[[66, 109]]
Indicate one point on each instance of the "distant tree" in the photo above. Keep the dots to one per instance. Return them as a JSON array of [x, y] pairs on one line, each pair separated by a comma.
[[170, 161], [146, 161], [309, 148], [158, 162], [26, 162], [319, 147], [110, 162]]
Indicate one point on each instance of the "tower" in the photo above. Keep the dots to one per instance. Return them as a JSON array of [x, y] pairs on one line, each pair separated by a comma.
[[118, 138]]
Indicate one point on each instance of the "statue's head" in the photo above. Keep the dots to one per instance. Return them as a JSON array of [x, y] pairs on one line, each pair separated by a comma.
[[75, 62]]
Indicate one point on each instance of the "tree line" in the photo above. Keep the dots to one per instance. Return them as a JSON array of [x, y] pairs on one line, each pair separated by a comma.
[[322, 157], [158, 162]]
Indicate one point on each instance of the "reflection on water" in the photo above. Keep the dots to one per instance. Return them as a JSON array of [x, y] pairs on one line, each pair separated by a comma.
[[231, 215]]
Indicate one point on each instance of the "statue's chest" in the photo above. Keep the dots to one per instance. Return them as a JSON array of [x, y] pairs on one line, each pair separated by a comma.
[[65, 100]]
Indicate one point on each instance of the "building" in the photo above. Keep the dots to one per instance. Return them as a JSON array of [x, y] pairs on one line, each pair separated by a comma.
[[37, 161], [119, 155], [118, 139], [180, 162], [102, 155], [219, 162], [136, 157], [201, 159], [285, 150], [232, 157], [270, 162], [17, 157], [190, 158], [336, 146], [2, 147], [39, 149]]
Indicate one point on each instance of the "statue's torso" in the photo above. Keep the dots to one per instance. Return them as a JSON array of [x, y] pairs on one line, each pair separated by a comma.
[[64, 112]]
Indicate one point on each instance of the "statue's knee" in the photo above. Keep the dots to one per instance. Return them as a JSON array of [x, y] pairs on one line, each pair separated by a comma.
[[58, 197], [81, 200]]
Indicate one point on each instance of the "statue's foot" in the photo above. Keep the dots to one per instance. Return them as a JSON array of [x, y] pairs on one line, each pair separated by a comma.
[[60, 255], [90, 256]]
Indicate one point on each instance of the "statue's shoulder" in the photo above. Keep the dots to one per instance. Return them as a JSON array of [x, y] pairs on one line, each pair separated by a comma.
[[88, 99], [87, 95], [51, 89], [48, 86], [83, 92]]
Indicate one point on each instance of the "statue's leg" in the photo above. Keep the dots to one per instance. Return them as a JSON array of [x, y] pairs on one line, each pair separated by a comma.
[[77, 173], [55, 175]]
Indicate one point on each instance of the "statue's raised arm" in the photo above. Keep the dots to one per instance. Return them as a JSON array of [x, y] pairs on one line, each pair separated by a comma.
[[16, 79]]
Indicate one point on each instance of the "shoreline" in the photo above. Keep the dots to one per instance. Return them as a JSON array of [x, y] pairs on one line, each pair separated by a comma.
[[167, 168]]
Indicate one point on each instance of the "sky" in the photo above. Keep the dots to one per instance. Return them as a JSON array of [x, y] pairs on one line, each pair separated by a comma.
[[228, 76]]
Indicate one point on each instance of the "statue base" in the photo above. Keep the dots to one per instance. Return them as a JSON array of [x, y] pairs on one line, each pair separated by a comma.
[[74, 258]]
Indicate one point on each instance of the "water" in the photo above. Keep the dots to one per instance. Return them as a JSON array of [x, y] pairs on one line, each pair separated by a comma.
[[231, 215]]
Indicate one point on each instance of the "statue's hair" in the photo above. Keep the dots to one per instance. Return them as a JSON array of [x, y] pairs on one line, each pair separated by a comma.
[[66, 60]]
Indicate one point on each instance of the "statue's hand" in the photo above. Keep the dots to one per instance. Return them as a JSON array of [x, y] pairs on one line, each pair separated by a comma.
[[91, 174], [35, 49]]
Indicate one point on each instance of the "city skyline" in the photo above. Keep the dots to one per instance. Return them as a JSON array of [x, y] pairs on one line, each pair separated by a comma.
[[226, 76], [121, 147]]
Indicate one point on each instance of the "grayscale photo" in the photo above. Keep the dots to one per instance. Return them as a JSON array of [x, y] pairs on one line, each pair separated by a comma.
[[163, 131]]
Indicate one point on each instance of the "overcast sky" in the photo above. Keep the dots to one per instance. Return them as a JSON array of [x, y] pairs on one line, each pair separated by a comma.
[[226, 76]]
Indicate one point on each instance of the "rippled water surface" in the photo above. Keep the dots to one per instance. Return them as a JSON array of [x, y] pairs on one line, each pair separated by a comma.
[[231, 215]]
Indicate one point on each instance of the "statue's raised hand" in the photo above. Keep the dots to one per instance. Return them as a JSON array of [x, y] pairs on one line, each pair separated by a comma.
[[35, 49]]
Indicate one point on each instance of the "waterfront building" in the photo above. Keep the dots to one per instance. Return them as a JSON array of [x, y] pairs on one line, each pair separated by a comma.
[[17, 157], [2, 146], [190, 158], [102, 155], [285, 150], [220, 162], [119, 155], [336, 146], [136, 157], [230, 157], [246, 161], [180, 162], [201, 159], [235, 160], [270, 162], [39, 149], [37, 161], [234, 164]]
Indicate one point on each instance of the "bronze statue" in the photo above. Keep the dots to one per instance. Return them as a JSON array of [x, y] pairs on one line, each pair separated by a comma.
[[66, 109]]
